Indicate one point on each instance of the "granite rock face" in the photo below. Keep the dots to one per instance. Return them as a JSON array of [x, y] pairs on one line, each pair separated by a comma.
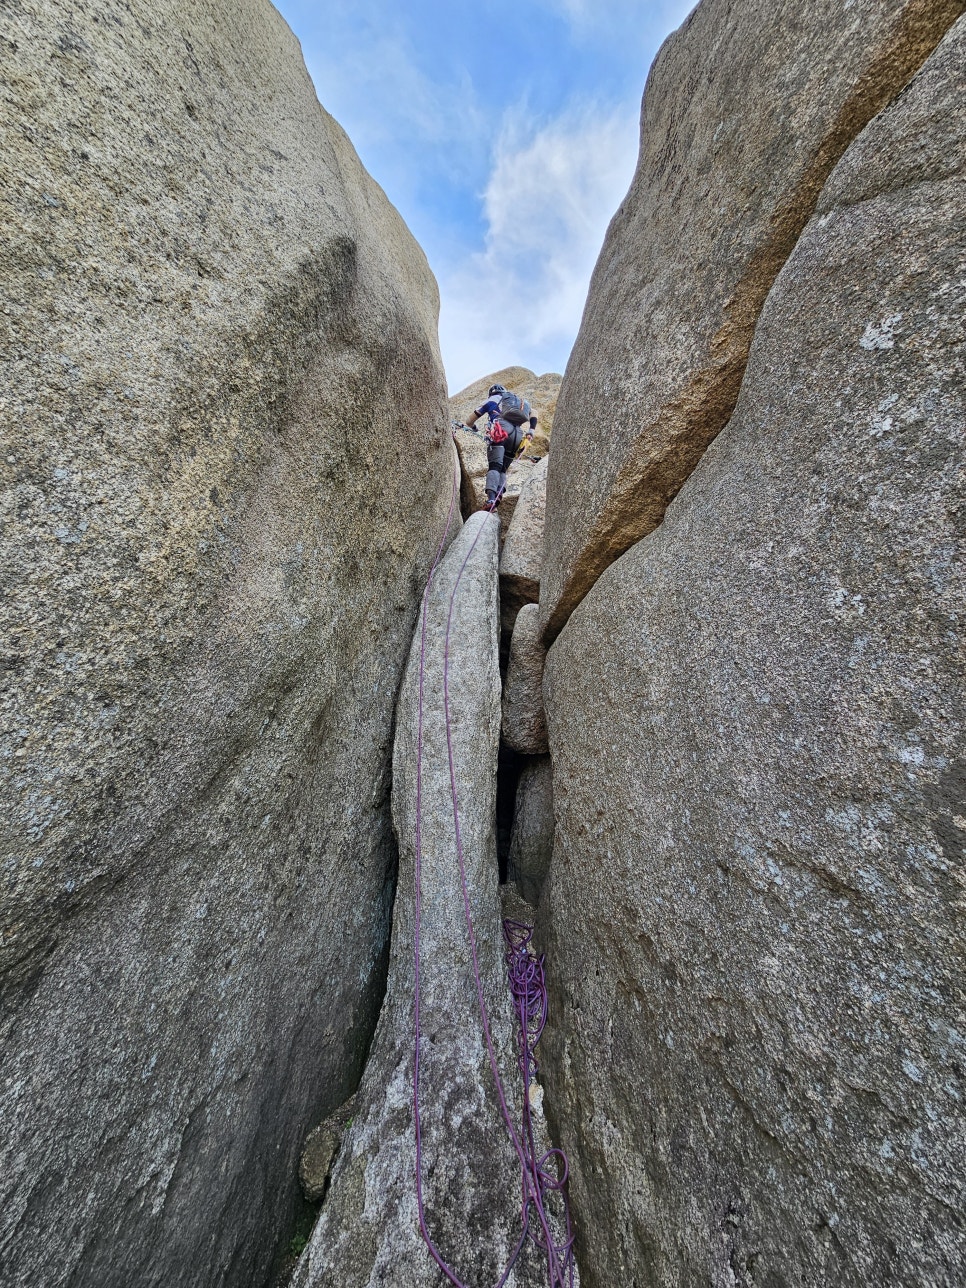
[[368, 1232], [471, 448], [207, 611], [746, 110], [524, 721], [518, 476], [531, 844], [521, 560], [756, 720]]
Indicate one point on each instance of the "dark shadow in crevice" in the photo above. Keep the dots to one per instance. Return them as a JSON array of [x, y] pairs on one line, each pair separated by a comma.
[[468, 501], [509, 767]]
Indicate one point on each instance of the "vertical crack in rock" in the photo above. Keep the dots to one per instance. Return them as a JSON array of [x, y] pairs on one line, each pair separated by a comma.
[[509, 767], [368, 1232], [531, 841]]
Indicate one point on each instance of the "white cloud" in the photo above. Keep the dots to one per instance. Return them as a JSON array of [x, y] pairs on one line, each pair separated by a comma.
[[551, 193], [513, 253], [596, 18], [411, 121]]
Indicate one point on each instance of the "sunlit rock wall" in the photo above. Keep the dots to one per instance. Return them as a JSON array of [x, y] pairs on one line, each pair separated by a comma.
[[755, 914]]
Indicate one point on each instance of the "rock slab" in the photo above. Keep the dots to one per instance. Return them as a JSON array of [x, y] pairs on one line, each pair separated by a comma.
[[524, 719], [746, 110], [368, 1231], [522, 559], [756, 719], [211, 581]]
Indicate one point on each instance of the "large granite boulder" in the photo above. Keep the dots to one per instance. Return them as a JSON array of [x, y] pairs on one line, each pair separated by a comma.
[[471, 449], [212, 318], [747, 108], [524, 720], [521, 560], [368, 1231], [757, 721]]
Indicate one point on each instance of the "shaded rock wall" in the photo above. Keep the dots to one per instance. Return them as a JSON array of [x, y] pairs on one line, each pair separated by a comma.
[[531, 845], [211, 586], [746, 110], [756, 723]]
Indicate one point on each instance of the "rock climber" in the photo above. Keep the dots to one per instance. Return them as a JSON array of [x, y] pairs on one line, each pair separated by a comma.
[[508, 413]]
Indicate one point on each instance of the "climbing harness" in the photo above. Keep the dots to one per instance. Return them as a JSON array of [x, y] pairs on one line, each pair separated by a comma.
[[529, 994], [498, 436]]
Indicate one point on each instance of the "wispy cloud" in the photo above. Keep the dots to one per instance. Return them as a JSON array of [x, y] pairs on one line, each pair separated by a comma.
[[601, 20], [419, 127], [551, 193], [508, 182]]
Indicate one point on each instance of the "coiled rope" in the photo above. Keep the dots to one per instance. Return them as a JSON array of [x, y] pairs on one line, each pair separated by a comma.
[[528, 989], [529, 996]]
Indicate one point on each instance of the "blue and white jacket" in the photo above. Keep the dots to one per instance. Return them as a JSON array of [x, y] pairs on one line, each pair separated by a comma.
[[492, 409]]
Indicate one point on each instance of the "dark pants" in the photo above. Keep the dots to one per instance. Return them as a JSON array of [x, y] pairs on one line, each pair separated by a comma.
[[499, 456]]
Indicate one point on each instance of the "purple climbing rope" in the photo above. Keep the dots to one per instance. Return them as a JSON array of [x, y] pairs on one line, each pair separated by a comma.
[[526, 976], [528, 989]]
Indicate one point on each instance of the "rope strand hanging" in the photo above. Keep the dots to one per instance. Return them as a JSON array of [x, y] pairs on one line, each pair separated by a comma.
[[528, 990]]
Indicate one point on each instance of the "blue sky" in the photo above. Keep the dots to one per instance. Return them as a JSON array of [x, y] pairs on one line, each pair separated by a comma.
[[505, 132]]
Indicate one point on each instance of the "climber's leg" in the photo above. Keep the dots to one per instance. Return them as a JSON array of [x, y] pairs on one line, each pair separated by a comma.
[[496, 474]]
